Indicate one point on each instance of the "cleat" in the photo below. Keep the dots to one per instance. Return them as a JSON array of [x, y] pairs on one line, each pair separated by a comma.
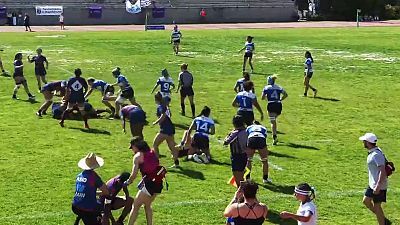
[[197, 159], [267, 181], [38, 114], [61, 123], [204, 158]]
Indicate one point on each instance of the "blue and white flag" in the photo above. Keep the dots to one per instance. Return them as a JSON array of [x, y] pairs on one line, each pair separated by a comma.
[[137, 7]]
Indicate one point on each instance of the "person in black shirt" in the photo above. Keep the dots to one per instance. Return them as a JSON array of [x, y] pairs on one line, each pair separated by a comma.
[[77, 88], [19, 77], [40, 70], [27, 22], [186, 89]]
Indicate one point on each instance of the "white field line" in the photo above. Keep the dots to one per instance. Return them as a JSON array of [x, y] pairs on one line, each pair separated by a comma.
[[329, 195]]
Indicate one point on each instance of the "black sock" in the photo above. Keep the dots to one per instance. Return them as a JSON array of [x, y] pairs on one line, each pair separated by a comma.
[[30, 95], [176, 162], [248, 176], [275, 136], [265, 177], [313, 89], [183, 108], [193, 110]]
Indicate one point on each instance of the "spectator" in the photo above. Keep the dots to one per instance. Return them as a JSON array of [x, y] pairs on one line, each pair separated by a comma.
[[203, 15], [61, 19], [237, 140], [307, 212], [85, 204], [249, 210], [27, 22], [376, 190]]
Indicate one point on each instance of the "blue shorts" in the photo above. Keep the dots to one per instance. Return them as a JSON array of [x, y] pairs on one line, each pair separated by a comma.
[[167, 129], [200, 141], [239, 162], [47, 87], [381, 197], [137, 116]]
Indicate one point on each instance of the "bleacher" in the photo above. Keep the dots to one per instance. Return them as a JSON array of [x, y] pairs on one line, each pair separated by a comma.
[[231, 3]]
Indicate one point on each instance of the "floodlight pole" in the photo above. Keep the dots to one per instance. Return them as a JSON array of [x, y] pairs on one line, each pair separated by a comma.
[[358, 20], [145, 21]]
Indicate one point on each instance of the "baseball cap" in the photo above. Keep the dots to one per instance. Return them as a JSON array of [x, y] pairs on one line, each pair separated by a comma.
[[369, 137]]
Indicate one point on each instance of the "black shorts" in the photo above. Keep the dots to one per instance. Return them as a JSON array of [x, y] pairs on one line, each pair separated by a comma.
[[168, 129], [151, 186], [239, 162], [19, 79], [248, 116], [256, 143], [200, 142], [177, 42], [88, 218], [186, 91], [76, 99], [381, 197], [40, 72], [109, 89], [128, 93], [308, 74], [275, 107], [248, 55]]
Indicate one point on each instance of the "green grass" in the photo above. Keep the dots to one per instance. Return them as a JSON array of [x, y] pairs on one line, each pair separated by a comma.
[[319, 145]]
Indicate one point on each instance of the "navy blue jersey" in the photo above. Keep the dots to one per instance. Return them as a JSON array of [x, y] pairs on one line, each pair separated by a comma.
[[256, 131], [86, 186], [162, 109], [100, 85], [308, 67], [245, 100], [39, 61], [18, 71], [273, 93], [203, 125], [77, 86]]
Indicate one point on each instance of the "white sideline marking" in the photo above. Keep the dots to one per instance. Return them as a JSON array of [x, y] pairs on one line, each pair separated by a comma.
[[333, 194], [275, 167], [51, 36], [67, 71]]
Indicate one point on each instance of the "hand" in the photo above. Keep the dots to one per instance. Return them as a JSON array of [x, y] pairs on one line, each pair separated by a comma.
[[238, 194], [285, 215], [126, 183], [377, 191]]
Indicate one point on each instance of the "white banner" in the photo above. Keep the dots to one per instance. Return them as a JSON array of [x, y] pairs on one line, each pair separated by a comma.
[[48, 10]]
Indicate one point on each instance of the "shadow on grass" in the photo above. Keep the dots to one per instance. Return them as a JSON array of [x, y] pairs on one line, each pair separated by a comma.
[[294, 145], [189, 173], [276, 154], [278, 132], [91, 130], [328, 99], [31, 101], [182, 126], [284, 189], [185, 56], [215, 162], [273, 217]]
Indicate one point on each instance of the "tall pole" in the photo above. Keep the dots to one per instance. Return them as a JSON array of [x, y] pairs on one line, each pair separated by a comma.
[[358, 19], [145, 21]]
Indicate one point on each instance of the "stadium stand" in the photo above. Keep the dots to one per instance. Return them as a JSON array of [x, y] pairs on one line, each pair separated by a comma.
[[181, 11]]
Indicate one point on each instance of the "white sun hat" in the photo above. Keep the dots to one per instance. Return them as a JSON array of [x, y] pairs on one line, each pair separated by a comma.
[[91, 162], [369, 137]]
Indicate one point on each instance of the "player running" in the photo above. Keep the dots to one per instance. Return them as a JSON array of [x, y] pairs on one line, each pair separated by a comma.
[[203, 126], [176, 39], [40, 69], [137, 119], [56, 88], [245, 101], [248, 54], [19, 77], [167, 128], [239, 83], [186, 89], [77, 88], [126, 91], [106, 90], [308, 73], [272, 93], [166, 85], [257, 140]]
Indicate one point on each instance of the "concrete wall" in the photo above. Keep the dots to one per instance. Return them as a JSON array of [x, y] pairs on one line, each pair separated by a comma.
[[80, 16]]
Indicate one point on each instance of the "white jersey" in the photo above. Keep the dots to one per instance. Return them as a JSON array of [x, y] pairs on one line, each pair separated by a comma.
[[61, 19], [307, 209]]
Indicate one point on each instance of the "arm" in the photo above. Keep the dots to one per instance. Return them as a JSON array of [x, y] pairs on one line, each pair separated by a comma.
[[242, 49], [287, 215], [231, 209], [179, 83], [47, 64], [191, 128], [285, 95], [236, 88], [234, 103], [123, 123], [154, 88], [263, 96], [104, 190], [88, 93], [173, 86], [255, 103], [160, 119], [1, 66], [382, 177], [126, 191], [135, 168], [212, 130]]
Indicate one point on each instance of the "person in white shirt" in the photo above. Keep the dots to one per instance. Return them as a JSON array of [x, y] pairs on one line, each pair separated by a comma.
[[61, 19], [375, 193], [307, 212]]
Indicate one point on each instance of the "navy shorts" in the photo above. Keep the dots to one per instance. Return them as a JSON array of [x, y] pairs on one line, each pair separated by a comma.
[[177, 42], [92, 218], [47, 87], [256, 143], [381, 197], [248, 55], [109, 89], [76, 99], [167, 129], [248, 116], [200, 141], [40, 72], [137, 117], [275, 107], [308, 74], [186, 91], [239, 162], [128, 93]]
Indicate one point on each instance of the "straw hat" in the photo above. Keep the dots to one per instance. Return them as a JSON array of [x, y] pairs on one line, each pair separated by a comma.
[[91, 162]]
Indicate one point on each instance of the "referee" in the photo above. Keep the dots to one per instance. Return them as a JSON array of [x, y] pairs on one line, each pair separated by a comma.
[[186, 88]]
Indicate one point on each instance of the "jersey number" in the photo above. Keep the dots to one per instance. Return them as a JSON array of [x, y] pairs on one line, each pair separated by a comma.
[[274, 95], [202, 127], [166, 86]]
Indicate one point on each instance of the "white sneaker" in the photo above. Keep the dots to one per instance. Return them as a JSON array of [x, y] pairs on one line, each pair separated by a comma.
[[197, 159], [190, 157], [204, 158], [267, 181]]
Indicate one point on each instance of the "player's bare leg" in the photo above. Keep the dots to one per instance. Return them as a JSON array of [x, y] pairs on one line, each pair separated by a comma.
[[251, 64], [244, 63], [192, 106]]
